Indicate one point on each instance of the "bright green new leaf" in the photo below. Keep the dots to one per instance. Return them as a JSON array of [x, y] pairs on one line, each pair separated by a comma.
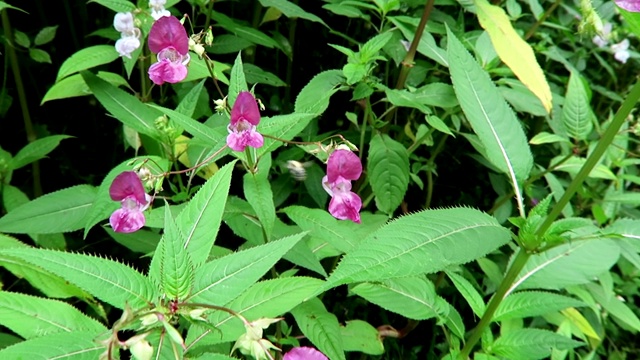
[[423, 242], [320, 327], [110, 281], [36, 150], [533, 303], [531, 344], [513, 50], [388, 171], [87, 58], [56, 212], [453, 321], [74, 85], [116, 5], [314, 97], [291, 10], [237, 82], [76, 345], [39, 55], [576, 112], [358, 335], [544, 137], [176, 267], [468, 292], [257, 191]]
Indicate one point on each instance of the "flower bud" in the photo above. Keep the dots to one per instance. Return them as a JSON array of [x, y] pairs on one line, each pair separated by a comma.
[[141, 350]]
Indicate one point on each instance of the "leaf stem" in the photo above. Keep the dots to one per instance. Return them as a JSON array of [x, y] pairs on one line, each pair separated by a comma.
[[534, 27]]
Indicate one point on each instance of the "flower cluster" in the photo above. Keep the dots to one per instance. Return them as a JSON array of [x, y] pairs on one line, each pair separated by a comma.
[[343, 166], [620, 50], [127, 188], [157, 9], [129, 34], [168, 38], [245, 116]]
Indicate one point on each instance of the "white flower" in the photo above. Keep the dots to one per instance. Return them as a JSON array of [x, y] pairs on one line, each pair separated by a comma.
[[123, 22], [602, 39], [127, 45], [621, 51], [157, 9]]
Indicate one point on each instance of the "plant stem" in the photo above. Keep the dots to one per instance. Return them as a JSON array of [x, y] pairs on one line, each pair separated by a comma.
[[208, 15], [28, 125], [534, 27]]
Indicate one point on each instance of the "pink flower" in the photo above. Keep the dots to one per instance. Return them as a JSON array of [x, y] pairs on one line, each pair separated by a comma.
[[169, 40], [629, 5], [343, 166], [304, 353], [127, 188], [245, 116]]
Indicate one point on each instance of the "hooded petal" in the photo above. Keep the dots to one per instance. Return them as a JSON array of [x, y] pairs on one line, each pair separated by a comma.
[[128, 184], [127, 220], [629, 5], [167, 71], [304, 353], [245, 108], [343, 163], [345, 205], [166, 32]]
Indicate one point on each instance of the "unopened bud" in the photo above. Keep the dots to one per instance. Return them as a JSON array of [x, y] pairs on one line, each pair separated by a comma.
[[141, 350]]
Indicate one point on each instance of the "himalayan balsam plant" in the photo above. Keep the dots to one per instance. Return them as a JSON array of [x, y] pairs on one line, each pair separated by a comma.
[[273, 230]]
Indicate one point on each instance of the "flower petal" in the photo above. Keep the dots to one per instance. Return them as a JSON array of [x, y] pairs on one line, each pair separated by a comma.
[[345, 205], [126, 220], [245, 108], [168, 31], [128, 184], [343, 163], [167, 71], [629, 5], [304, 353]]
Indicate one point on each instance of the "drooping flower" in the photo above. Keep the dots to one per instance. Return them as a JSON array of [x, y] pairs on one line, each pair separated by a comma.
[[629, 5], [245, 116], [127, 45], [123, 22], [602, 39], [128, 189], [252, 343], [129, 34], [621, 51], [304, 353], [169, 40], [343, 166], [157, 9]]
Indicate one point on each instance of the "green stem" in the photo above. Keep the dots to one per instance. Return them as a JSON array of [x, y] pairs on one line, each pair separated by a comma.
[[363, 129], [208, 15], [28, 125], [534, 27]]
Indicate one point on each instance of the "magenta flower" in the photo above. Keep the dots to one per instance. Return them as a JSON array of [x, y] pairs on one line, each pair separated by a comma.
[[629, 5], [343, 166], [245, 116], [169, 40], [127, 188], [304, 353]]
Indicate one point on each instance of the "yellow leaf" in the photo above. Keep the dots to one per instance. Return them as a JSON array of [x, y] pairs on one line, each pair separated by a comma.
[[513, 50], [180, 149], [576, 318]]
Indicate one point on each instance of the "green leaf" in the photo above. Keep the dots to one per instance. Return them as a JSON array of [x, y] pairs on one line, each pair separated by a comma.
[[176, 267], [77, 345], [427, 45], [36, 150], [423, 242], [198, 69], [116, 5], [371, 48], [74, 85], [87, 58], [124, 107], [45, 35], [314, 97], [354, 72], [453, 321], [577, 116], [237, 82], [544, 137], [490, 117], [245, 32], [291, 10], [30, 316], [229, 44], [320, 327], [141, 241], [573, 263], [221, 280], [216, 137], [257, 191], [21, 39], [533, 303], [255, 75], [615, 306], [60, 211], [574, 164], [388, 172], [4, 5], [412, 297], [110, 281], [358, 335], [39, 55], [470, 294], [189, 102], [513, 50], [284, 127], [200, 220], [531, 344]]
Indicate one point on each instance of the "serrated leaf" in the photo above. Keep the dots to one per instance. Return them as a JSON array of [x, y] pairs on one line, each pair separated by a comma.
[[320, 327], [116, 5], [531, 344], [189, 102], [87, 58], [77, 345], [257, 191], [533, 303], [513, 50], [358, 335], [575, 318], [56, 212], [36, 150], [423, 242], [177, 272], [30, 316], [412, 297], [237, 82], [291, 10], [577, 116], [453, 321], [374, 45], [573, 263], [388, 172], [255, 75], [123, 106], [110, 281], [497, 127], [284, 127], [45, 35], [74, 85], [615, 306], [199, 221], [314, 97], [468, 292], [427, 45], [221, 280]]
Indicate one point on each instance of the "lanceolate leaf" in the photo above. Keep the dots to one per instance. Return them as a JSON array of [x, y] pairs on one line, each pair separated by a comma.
[[423, 242], [30, 316], [284, 127], [86, 59], [533, 303], [531, 344], [576, 113], [412, 297], [257, 191], [615, 307], [358, 335], [36, 150], [60, 211], [200, 220], [291, 10], [314, 97], [322, 225], [237, 82], [320, 327], [77, 345], [176, 266], [110, 281], [388, 171], [513, 50], [469, 293], [221, 280], [490, 117]]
